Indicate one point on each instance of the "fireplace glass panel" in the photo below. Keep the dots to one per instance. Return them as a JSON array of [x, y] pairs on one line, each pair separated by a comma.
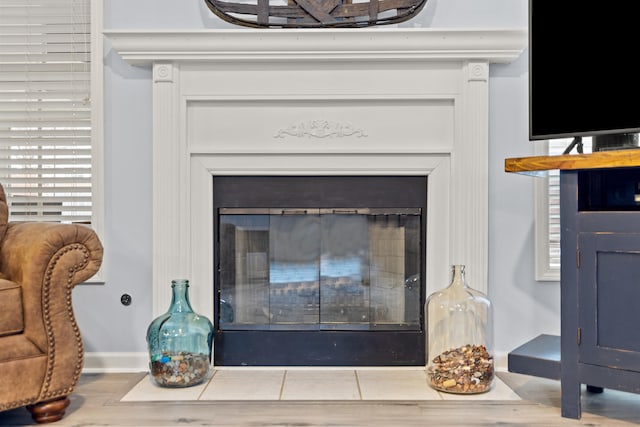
[[315, 269], [294, 274]]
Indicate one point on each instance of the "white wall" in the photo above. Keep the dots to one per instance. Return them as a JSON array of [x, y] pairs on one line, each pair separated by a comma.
[[523, 307]]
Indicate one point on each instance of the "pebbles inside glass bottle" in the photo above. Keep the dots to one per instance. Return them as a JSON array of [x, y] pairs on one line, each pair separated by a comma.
[[460, 338], [180, 343]]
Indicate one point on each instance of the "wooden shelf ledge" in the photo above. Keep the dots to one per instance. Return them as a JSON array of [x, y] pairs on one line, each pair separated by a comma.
[[539, 357], [598, 160]]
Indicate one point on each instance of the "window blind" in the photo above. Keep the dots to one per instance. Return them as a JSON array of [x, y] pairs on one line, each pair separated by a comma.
[[45, 109], [557, 147]]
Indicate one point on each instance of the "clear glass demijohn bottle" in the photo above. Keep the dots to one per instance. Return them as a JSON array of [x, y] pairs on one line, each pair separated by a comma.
[[460, 335], [180, 342]]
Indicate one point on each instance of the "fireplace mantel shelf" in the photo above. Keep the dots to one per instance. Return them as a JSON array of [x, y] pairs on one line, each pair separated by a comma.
[[141, 47]]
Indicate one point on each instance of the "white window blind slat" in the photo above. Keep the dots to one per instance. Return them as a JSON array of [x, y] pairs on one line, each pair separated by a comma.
[[45, 109], [16, 38], [18, 179], [44, 57], [72, 113], [25, 125], [34, 45], [24, 120], [68, 68], [51, 115], [10, 16], [52, 5], [55, 101], [59, 152], [55, 135], [33, 3], [12, 95], [53, 204], [45, 168], [44, 30], [48, 75]]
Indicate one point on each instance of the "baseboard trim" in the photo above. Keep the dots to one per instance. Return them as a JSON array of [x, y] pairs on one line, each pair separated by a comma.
[[105, 362], [114, 362], [500, 361]]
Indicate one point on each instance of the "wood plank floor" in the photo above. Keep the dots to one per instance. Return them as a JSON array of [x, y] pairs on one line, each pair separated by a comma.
[[96, 402]]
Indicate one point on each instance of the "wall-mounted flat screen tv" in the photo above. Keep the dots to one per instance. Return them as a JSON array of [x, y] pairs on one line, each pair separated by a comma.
[[583, 73]]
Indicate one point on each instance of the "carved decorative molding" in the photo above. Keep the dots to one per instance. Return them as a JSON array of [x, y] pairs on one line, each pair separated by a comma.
[[163, 72], [478, 71], [320, 129]]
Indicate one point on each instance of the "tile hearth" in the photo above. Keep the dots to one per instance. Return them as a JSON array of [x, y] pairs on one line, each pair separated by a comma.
[[305, 384]]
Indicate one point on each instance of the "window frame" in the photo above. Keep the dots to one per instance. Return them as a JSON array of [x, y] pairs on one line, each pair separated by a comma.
[[97, 129]]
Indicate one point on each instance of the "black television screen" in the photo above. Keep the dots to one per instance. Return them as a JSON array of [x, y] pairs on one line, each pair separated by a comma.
[[583, 77]]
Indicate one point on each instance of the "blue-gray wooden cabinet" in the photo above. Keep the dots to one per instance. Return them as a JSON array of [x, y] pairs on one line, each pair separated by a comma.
[[599, 345]]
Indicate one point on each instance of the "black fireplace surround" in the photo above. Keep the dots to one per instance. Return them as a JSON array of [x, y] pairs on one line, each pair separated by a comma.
[[319, 270]]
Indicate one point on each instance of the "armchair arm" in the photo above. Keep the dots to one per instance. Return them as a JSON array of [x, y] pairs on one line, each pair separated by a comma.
[[28, 248], [48, 260]]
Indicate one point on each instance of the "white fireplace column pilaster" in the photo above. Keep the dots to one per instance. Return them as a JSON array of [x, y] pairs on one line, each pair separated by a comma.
[[470, 189], [170, 162], [444, 71]]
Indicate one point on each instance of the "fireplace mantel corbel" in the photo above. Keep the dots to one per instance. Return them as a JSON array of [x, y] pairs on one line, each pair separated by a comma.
[[420, 95]]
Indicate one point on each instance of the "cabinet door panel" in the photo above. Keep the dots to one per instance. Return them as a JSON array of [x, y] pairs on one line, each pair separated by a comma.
[[609, 297]]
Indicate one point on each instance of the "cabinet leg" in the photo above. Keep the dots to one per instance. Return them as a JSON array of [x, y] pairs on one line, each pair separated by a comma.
[[571, 400]]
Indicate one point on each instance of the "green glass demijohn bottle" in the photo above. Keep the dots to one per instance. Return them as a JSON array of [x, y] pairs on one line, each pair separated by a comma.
[[180, 342]]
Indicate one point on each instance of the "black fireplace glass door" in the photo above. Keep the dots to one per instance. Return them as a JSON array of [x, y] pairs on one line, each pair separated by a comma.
[[311, 270]]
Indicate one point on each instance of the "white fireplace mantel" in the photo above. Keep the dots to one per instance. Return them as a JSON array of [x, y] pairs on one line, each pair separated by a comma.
[[143, 47], [378, 101]]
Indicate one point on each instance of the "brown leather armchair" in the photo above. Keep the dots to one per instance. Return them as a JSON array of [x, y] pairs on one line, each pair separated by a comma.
[[41, 352]]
